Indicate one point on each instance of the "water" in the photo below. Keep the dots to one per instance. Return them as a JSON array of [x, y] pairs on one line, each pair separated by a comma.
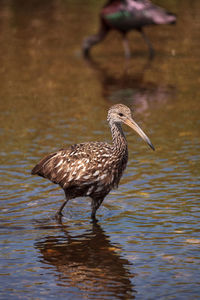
[[146, 243]]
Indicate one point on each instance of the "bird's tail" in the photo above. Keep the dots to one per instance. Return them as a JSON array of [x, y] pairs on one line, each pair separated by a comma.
[[40, 167], [161, 16]]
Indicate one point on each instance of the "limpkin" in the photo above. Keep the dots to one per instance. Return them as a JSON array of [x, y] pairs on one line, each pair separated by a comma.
[[127, 15], [94, 168]]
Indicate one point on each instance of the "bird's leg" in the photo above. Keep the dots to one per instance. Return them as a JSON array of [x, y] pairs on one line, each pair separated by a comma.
[[89, 42], [59, 212], [93, 214], [126, 47], [95, 205], [148, 43]]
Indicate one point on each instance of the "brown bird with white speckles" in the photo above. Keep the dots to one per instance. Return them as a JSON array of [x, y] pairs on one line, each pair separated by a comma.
[[91, 169]]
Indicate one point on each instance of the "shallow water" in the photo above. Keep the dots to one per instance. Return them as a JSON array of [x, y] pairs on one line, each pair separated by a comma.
[[146, 243]]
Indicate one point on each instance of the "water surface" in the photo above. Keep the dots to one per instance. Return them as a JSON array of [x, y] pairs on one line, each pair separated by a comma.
[[146, 243]]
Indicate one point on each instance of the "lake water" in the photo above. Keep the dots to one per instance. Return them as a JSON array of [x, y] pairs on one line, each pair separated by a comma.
[[146, 244]]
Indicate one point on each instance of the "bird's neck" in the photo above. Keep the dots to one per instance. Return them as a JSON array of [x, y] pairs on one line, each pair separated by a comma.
[[119, 139]]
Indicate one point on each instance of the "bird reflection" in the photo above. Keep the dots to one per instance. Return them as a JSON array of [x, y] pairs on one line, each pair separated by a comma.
[[131, 88], [88, 262]]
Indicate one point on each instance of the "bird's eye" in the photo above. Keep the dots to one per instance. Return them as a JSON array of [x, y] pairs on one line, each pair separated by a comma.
[[121, 115]]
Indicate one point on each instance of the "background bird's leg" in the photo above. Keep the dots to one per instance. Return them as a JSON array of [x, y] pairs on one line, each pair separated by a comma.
[[148, 43], [89, 42], [59, 212], [126, 47], [95, 205]]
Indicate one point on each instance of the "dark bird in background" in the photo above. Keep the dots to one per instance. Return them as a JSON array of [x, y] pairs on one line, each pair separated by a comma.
[[126, 15], [91, 169]]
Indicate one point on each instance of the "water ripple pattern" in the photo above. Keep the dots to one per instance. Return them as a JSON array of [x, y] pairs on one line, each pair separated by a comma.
[[146, 243]]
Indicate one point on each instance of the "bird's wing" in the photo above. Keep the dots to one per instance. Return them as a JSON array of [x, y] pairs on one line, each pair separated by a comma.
[[49, 166], [76, 165]]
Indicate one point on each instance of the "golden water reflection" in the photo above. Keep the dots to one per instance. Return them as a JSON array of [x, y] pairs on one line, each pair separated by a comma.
[[51, 98]]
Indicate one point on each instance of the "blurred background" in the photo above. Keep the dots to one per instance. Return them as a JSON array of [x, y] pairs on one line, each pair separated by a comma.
[[146, 243]]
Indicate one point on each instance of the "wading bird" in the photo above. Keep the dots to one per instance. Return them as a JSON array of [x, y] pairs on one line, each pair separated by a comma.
[[94, 168], [126, 15]]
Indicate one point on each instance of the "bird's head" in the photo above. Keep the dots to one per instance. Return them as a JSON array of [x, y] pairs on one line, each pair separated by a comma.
[[120, 113]]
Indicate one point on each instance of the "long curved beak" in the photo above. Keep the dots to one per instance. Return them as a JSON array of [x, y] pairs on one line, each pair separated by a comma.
[[141, 133]]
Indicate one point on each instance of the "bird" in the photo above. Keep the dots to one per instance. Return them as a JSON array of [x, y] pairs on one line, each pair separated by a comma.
[[91, 169], [124, 16]]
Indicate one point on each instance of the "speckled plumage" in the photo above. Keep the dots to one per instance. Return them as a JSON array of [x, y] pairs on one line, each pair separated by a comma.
[[126, 15], [91, 169]]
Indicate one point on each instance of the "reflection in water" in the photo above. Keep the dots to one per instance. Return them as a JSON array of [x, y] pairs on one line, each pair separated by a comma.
[[131, 89], [88, 262]]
